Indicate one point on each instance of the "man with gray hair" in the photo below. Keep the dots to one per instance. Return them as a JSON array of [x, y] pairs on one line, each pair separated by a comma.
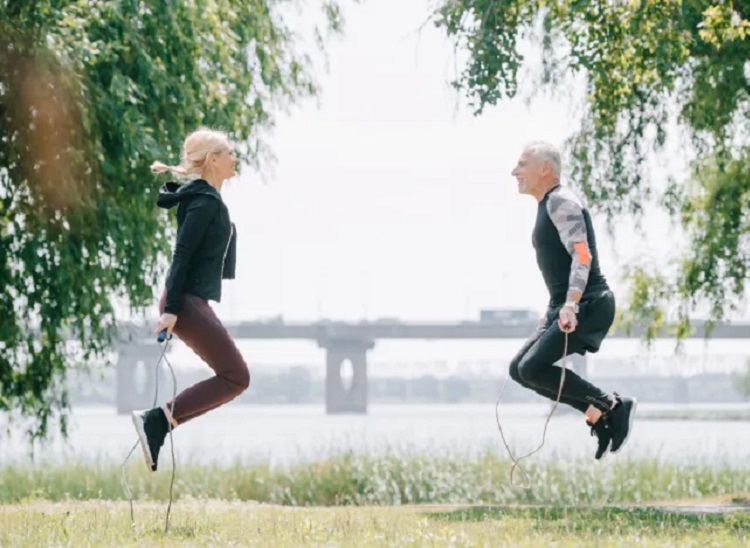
[[581, 306]]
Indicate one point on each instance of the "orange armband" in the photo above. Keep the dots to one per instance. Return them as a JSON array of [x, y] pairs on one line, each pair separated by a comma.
[[582, 253]]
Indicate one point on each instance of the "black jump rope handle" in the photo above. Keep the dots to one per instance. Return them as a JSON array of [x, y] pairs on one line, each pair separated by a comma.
[[162, 336]]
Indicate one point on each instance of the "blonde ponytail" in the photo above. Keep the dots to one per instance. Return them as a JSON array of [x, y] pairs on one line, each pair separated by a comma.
[[198, 145], [159, 167]]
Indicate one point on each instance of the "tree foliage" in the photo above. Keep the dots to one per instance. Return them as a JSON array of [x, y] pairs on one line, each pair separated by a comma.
[[90, 94], [649, 66]]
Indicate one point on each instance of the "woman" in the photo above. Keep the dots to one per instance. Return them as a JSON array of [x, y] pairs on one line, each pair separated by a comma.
[[204, 254]]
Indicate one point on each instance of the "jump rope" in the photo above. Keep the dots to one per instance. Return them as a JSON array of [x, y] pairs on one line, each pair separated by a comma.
[[162, 338], [513, 459]]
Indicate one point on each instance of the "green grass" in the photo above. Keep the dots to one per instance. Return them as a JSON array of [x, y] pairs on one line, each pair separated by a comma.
[[385, 480], [218, 523], [356, 500]]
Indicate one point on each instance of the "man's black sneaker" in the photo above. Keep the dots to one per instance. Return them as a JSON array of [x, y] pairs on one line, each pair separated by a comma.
[[603, 432], [152, 427], [621, 420]]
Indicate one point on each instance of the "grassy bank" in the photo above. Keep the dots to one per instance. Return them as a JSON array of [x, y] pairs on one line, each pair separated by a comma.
[[392, 480], [218, 523]]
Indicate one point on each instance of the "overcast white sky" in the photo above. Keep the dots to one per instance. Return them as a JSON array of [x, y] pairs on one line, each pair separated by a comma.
[[386, 201]]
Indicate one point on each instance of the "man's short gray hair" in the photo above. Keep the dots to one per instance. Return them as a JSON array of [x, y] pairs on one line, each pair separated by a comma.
[[546, 152]]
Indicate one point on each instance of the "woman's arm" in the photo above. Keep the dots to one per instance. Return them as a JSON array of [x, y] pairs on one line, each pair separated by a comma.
[[200, 212]]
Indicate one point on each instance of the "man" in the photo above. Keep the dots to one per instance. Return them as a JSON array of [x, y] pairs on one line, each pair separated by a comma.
[[581, 303]]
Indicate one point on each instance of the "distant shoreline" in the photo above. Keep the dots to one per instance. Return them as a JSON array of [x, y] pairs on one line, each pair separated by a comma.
[[711, 411], [697, 415]]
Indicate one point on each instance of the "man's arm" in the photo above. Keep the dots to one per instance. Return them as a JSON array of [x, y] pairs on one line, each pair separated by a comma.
[[566, 214]]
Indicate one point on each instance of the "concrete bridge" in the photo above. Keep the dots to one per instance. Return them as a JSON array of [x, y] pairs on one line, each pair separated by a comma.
[[343, 341]]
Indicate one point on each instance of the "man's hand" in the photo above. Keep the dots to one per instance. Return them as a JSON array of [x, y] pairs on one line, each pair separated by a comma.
[[567, 320]]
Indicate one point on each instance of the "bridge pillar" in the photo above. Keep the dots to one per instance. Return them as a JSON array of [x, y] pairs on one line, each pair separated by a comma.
[[341, 399], [136, 375]]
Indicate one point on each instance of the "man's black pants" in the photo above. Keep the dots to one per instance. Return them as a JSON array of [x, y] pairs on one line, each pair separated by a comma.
[[533, 367]]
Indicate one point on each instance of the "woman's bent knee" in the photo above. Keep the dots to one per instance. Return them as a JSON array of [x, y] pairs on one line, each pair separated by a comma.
[[243, 378], [237, 378]]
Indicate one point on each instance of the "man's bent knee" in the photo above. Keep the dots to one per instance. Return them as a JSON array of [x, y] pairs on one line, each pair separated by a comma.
[[528, 372], [514, 373]]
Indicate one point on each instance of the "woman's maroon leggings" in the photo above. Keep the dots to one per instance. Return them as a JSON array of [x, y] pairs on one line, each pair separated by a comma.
[[199, 328]]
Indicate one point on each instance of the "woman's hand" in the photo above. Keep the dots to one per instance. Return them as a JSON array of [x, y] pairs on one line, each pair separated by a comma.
[[166, 321]]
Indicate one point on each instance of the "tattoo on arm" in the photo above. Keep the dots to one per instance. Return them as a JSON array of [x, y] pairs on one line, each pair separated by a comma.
[[566, 214]]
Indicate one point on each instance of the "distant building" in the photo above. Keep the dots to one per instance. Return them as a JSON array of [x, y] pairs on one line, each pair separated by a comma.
[[509, 316]]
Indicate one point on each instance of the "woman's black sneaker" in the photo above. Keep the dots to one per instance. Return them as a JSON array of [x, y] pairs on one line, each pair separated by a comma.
[[152, 428]]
